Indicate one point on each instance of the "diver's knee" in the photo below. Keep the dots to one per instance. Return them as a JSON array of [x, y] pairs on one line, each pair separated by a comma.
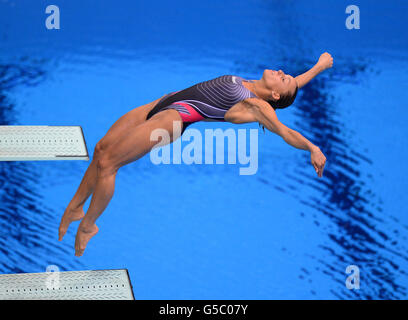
[[100, 147], [105, 165]]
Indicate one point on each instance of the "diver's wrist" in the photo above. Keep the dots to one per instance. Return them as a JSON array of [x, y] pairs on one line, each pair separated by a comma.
[[319, 68], [313, 148]]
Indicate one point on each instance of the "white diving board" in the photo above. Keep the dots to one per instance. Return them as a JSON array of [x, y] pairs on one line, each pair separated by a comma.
[[67, 285], [31, 143]]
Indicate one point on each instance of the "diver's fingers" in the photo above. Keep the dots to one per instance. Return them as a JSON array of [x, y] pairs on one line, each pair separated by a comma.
[[323, 167], [315, 167]]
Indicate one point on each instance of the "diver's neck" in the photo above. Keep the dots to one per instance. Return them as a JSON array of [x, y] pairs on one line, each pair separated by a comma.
[[258, 88]]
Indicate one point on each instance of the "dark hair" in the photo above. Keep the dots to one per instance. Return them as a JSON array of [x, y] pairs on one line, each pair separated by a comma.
[[283, 102]]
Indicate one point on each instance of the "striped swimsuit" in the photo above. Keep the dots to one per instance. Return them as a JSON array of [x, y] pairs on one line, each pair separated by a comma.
[[205, 100]]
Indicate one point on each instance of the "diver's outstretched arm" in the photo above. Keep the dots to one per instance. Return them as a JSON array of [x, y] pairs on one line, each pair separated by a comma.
[[325, 62], [265, 115]]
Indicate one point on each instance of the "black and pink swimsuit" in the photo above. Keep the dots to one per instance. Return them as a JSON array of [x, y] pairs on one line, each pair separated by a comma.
[[205, 100]]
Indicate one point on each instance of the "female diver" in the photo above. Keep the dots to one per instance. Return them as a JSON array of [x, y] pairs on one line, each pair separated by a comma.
[[226, 98]]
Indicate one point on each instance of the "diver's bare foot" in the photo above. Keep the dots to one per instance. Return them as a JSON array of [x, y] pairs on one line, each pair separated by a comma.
[[70, 215], [84, 234]]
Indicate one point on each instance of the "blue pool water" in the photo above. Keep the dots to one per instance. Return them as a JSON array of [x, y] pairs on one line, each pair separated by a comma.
[[204, 231]]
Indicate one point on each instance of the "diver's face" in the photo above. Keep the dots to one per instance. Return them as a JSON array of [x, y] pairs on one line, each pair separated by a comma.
[[279, 83]]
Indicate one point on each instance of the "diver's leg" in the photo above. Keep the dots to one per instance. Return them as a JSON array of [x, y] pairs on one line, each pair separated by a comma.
[[125, 123], [128, 121], [110, 158]]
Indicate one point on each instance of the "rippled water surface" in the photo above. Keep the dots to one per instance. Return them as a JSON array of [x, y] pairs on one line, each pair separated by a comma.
[[204, 231]]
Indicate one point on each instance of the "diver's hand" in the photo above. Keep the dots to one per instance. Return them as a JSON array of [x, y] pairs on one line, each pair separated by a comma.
[[325, 61], [318, 160], [85, 232]]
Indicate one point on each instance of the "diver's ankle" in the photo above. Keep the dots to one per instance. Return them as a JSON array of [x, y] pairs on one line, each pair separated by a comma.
[[73, 207], [88, 225]]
